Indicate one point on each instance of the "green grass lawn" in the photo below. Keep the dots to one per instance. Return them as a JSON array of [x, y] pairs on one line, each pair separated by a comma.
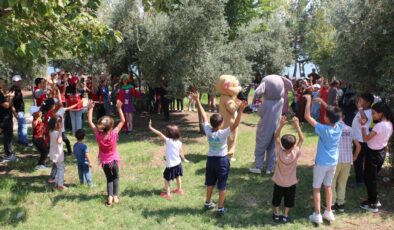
[[27, 201]]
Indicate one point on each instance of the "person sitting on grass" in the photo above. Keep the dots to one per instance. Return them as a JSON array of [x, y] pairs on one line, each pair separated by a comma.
[[287, 151], [83, 160], [106, 137], [326, 157], [218, 164], [173, 159]]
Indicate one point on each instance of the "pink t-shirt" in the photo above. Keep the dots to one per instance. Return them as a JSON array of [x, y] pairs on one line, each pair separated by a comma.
[[285, 174], [108, 151], [383, 130]]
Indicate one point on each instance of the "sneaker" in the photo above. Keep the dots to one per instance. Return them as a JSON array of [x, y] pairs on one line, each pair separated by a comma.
[[268, 172], [116, 199], [276, 218], [284, 219], [178, 191], [165, 196], [41, 167], [255, 170], [334, 207], [340, 207], [52, 181], [221, 211], [62, 188], [369, 207], [109, 201], [316, 218], [328, 215], [232, 159], [209, 205], [378, 204], [11, 158]]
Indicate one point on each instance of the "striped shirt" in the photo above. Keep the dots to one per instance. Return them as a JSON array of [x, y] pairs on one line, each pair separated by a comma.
[[345, 146]]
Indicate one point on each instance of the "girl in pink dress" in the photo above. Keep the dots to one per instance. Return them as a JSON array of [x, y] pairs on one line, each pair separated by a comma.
[[106, 137]]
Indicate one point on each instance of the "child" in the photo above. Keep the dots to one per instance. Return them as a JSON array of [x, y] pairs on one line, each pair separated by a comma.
[[377, 141], [125, 95], [218, 164], [326, 157], [364, 107], [315, 106], [106, 137], [173, 159], [56, 149], [39, 140], [285, 176], [39, 92], [83, 159], [345, 161]]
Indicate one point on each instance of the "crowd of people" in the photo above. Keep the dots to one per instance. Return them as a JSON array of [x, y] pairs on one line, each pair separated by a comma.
[[353, 129]]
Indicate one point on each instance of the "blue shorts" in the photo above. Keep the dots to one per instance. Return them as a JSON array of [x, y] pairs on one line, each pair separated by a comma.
[[216, 172]]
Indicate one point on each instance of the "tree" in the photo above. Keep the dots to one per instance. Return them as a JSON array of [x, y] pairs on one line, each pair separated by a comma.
[[33, 31]]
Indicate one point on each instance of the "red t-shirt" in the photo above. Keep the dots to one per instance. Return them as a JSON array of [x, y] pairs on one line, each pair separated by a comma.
[[38, 129], [39, 100], [74, 99]]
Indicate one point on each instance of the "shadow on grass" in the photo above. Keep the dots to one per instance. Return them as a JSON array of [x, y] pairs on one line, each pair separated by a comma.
[[76, 198], [196, 158], [162, 215], [133, 192]]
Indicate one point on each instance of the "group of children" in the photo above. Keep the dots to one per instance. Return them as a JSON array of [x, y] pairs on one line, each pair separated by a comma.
[[332, 165]]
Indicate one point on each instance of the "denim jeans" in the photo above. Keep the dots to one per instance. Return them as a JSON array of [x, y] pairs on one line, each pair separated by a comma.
[[85, 175], [60, 167], [76, 120], [22, 128]]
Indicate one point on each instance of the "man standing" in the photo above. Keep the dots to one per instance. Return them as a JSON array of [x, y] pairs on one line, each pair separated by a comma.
[[6, 122], [314, 76], [19, 109]]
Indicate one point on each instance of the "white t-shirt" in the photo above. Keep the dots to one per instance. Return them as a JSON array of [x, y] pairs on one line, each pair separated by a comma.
[[383, 130], [356, 126], [55, 149], [217, 141], [60, 112], [173, 148]]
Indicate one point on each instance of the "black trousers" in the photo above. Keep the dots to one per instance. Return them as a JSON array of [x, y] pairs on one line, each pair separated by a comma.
[[179, 104], [288, 193], [67, 142], [166, 108], [374, 160], [359, 164], [42, 148], [8, 133], [111, 171]]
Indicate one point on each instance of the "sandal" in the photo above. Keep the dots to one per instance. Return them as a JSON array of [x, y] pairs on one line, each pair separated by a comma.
[[116, 199], [178, 191], [109, 201], [165, 196]]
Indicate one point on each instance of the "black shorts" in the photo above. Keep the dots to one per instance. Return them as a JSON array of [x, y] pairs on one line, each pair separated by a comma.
[[287, 192], [172, 173], [217, 171]]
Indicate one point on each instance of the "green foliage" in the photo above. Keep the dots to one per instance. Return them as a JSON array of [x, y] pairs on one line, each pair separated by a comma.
[[33, 31]]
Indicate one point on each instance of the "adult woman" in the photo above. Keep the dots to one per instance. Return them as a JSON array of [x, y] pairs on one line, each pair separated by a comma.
[[75, 114]]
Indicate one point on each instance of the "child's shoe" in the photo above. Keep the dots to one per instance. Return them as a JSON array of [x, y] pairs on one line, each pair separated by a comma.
[[62, 188], [268, 173], [178, 191], [369, 207], [51, 181], [340, 207], [221, 211], [285, 219], [165, 196], [316, 218], [328, 215], [276, 217], [209, 205], [116, 199], [255, 170], [109, 201]]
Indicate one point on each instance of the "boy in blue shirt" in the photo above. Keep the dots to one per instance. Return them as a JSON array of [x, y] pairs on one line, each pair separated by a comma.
[[326, 157], [83, 160], [218, 163]]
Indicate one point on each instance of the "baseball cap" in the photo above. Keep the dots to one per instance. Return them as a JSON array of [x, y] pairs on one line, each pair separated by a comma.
[[33, 110], [16, 78]]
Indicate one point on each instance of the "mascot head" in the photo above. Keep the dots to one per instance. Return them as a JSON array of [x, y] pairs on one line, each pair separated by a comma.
[[228, 85]]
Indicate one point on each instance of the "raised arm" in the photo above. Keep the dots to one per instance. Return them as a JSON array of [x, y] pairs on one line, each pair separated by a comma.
[[157, 132], [90, 115], [307, 115], [241, 109], [282, 123], [296, 124], [196, 97], [121, 115]]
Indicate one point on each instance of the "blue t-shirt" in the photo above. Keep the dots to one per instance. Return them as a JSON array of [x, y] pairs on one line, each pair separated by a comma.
[[327, 147], [80, 150]]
